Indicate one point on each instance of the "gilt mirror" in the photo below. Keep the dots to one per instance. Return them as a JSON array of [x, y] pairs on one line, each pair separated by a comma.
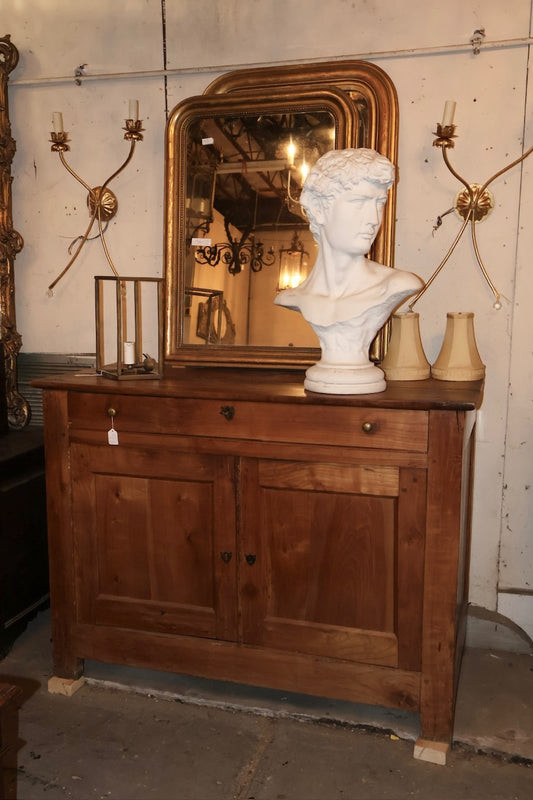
[[236, 159]]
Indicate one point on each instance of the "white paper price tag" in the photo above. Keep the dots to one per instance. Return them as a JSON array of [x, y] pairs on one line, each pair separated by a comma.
[[112, 436]]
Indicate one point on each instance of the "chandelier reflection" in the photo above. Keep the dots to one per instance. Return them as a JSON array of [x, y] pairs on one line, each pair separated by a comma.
[[235, 254]]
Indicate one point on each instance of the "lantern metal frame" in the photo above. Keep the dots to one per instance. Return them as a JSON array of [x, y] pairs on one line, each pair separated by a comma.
[[145, 366]]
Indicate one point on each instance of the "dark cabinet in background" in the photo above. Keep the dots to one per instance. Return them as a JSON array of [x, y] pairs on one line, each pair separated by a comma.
[[23, 542]]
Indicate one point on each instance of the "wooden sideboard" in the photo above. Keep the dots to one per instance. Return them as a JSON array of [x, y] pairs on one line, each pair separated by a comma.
[[246, 530]]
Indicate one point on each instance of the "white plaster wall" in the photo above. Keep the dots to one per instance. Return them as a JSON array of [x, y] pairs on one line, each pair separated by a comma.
[[515, 597], [207, 37]]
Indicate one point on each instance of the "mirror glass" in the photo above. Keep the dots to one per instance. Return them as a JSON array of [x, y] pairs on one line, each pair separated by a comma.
[[244, 225], [236, 161]]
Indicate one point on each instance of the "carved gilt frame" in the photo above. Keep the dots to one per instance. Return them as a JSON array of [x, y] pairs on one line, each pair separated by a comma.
[[369, 113], [11, 243]]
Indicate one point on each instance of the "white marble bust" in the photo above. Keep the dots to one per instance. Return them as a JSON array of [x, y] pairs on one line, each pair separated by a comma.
[[347, 297]]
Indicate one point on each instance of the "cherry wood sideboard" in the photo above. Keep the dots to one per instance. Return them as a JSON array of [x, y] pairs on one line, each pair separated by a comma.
[[245, 530]]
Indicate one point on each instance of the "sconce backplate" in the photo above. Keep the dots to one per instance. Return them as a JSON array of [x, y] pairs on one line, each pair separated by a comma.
[[482, 204], [106, 200]]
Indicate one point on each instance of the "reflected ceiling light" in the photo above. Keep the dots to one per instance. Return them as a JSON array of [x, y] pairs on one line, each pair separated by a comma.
[[293, 264], [291, 151]]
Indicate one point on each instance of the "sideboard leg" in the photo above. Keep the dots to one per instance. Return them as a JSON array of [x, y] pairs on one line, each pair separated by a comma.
[[64, 686], [434, 752]]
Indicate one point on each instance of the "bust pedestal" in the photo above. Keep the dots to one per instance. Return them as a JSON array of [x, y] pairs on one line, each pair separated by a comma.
[[349, 379]]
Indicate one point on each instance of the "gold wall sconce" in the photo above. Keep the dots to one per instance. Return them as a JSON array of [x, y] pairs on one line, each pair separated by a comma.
[[101, 201], [459, 358], [473, 203]]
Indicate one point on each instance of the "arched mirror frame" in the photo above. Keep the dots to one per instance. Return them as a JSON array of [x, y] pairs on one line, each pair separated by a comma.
[[342, 88]]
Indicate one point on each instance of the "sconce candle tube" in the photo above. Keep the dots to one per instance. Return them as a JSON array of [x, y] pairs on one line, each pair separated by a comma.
[[57, 122], [449, 113], [134, 110]]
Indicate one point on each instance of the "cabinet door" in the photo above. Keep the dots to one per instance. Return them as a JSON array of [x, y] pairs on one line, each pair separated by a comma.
[[153, 532], [333, 559]]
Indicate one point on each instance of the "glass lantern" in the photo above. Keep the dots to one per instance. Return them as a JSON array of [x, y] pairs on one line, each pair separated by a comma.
[[129, 327]]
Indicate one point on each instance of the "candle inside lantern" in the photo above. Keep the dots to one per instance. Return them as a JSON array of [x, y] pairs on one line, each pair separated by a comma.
[[134, 110], [129, 353], [449, 113], [57, 122]]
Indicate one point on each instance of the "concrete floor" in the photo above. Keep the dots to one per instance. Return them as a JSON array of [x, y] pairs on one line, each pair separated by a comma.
[[137, 735]]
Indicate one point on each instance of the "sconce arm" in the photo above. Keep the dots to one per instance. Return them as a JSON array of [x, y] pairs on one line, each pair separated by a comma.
[[428, 283], [133, 142], [83, 239], [456, 174], [505, 169], [493, 289], [72, 172]]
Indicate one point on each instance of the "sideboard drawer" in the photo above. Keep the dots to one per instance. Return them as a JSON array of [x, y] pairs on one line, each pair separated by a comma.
[[283, 422]]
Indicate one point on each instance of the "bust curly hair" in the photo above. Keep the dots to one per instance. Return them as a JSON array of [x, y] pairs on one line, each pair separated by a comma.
[[339, 171]]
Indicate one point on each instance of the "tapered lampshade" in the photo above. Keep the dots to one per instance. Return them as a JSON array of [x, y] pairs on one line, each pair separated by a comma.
[[459, 359], [405, 359]]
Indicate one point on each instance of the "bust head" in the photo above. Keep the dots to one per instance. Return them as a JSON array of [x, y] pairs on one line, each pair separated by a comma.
[[338, 172]]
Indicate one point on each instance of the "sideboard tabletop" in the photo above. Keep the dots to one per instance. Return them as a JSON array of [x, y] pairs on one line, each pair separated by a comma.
[[276, 386]]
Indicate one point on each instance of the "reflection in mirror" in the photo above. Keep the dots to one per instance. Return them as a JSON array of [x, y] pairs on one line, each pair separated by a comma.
[[245, 226]]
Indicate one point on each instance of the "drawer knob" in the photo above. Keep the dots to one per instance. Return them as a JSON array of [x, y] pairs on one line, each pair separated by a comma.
[[227, 411], [111, 412], [367, 427]]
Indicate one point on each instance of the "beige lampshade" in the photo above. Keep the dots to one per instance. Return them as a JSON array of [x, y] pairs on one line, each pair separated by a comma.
[[405, 359], [459, 359]]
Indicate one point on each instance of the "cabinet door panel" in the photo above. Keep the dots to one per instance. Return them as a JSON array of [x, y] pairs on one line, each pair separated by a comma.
[[324, 578], [149, 532]]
